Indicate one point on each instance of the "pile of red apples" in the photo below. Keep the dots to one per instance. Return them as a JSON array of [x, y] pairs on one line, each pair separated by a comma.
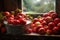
[[48, 23], [19, 18]]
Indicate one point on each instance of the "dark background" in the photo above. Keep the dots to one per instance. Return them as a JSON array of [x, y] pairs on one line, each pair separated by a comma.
[[10, 5], [58, 7]]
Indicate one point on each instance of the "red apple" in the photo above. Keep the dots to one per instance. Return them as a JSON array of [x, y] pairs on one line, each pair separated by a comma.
[[44, 23], [35, 20], [14, 22], [18, 17], [39, 26], [55, 29], [52, 11], [21, 14], [56, 20], [51, 25], [33, 25], [17, 21], [58, 25], [37, 23], [41, 31], [46, 14], [23, 21], [41, 19], [35, 29], [6, 13], [11, 18], [10, 21], [46, 27], [49, 32], [29, 30], [54, 15], [48, 19]]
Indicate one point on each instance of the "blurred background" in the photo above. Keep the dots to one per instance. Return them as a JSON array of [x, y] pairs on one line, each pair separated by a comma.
[[38, 6], [9, 5]]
